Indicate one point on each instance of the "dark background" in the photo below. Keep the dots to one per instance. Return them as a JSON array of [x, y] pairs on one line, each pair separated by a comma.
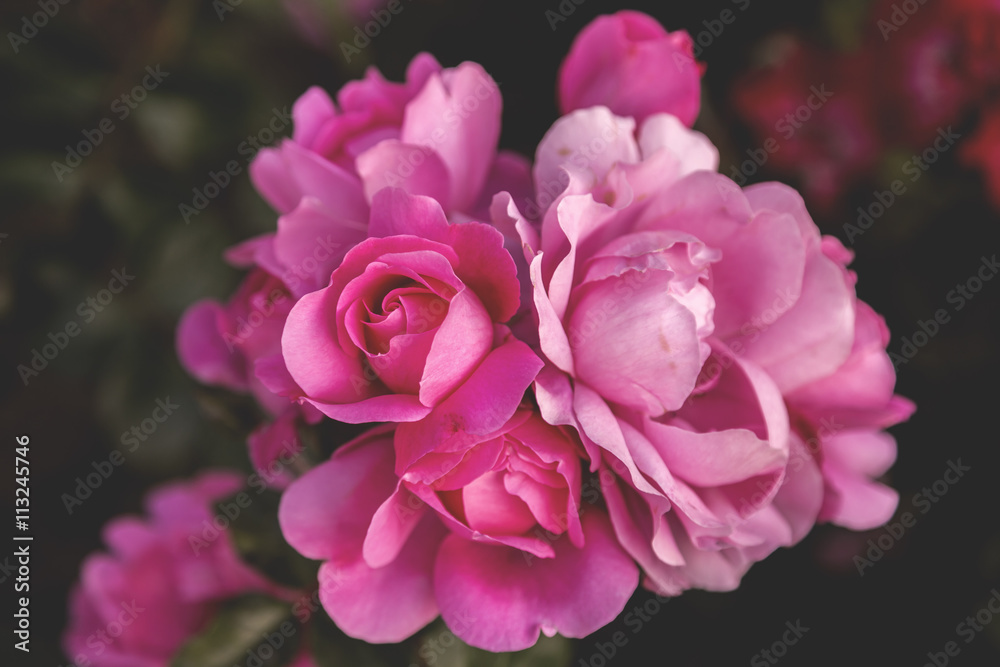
[[120, 208]]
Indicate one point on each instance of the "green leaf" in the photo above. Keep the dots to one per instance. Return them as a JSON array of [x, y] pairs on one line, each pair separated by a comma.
[[251, 625]]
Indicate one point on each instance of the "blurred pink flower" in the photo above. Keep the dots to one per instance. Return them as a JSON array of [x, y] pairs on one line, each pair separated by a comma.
[[162, 580], [813, 117]]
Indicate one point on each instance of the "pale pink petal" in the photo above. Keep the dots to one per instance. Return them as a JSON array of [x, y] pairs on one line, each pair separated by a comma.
[[457, 114], [415, 169], [589, 139]]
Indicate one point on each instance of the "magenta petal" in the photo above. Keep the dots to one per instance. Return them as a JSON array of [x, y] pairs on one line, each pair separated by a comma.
[[204, 352], [499, 599], [485, 402], [385, 408], [415, 169], [461, 342], [481, 406], [717, 458], [396, 212], [486, 267], [273, 374], [309, 113], [286, 174], [391, 526], [325, 514], [324, 371], [274, 181], [270, 441], [388, 604], [311, 242]]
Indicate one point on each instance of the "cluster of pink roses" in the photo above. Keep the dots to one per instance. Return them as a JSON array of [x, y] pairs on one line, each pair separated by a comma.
[[608, 367], [921, 67]]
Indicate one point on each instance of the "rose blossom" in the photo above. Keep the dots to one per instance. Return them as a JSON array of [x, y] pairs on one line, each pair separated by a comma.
[[487, 531], [413, 316], [684, 322], [629, 63], [157, 586], [435, 134]]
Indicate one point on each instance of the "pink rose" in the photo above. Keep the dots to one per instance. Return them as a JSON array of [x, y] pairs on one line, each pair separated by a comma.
[[411, 318], [692, 331], [501, 548], [629, 63], [138, 604], [435, 135]]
